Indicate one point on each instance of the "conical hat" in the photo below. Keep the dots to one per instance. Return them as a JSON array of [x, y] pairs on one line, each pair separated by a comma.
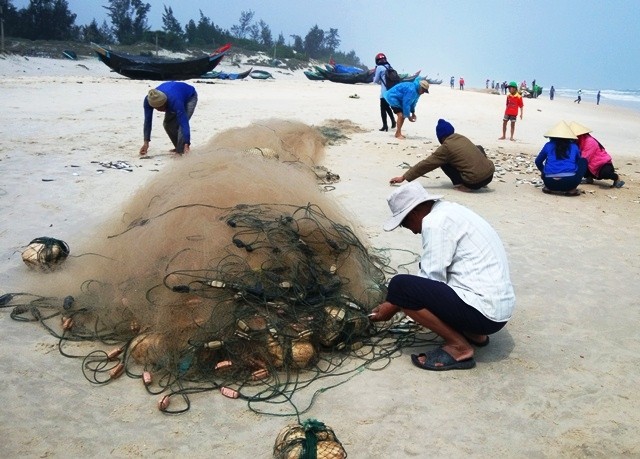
[[561, 131], [579, 129]]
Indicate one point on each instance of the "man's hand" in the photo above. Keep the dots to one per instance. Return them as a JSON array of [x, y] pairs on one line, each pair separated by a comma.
[[413, 117], [399, 179], [383, 312]]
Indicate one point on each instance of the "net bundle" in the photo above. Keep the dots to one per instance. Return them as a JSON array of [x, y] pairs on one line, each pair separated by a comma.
[[231, 272]]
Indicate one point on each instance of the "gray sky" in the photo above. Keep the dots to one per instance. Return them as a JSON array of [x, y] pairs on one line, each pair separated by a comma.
[[585, 44]]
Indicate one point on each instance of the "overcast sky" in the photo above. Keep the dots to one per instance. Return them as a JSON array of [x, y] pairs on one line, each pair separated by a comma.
[[591, 44]]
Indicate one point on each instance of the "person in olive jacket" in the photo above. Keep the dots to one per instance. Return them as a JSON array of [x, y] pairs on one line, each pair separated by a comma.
[[463, 162]]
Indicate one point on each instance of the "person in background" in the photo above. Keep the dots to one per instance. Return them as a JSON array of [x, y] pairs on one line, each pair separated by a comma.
[[514, 102], [178, 101], [463, 162], [461, 84], [462, 290], [598, 98], [560, 163], [599, 162], [379, 78], [452, 82], [534, 89], [552, 92], [403, 98], [579, 98]]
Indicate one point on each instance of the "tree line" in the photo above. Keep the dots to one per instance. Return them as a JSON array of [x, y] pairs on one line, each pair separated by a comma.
[[128, 24]]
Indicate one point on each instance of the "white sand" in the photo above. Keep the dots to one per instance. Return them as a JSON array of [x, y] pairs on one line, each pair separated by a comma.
[[560, 380]]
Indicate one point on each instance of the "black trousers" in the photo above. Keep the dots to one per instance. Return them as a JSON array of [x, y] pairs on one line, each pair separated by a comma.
[[606, 172], [384, 111]]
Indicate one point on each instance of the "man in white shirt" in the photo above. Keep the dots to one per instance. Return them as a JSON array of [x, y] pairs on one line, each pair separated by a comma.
[[462, 291]]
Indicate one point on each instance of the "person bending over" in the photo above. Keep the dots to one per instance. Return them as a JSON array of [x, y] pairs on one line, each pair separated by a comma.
[[178, 101], [463, 162], [462, 291], [403, 98]]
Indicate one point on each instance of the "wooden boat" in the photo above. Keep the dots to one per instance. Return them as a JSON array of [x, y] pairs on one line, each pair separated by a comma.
[[434, 81], [405, 78], [310, 74], [260, 74], [227, 76], [153, 68], [347, 78]]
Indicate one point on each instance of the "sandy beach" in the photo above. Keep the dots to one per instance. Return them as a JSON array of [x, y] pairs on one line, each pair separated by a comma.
[[557, 381]]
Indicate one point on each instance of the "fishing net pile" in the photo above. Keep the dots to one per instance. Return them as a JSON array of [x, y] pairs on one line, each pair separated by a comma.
[[230, 271]]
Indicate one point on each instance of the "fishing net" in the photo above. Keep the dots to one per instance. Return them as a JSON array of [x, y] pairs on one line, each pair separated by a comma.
[[230, 271], [45, 253], [311, 439]]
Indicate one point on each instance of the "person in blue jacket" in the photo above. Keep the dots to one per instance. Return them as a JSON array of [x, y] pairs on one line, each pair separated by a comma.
[[403, 98], [178, 101], [561, 165]]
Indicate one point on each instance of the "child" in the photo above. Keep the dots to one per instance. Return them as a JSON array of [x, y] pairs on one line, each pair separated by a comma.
[[600, 165], [514, 101]]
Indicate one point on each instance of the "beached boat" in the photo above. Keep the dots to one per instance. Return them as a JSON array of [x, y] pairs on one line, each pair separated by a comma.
[[226, 76], [434, 81], [404, 77], [260, 74], [347, 78], [315, 76], [154, 68]]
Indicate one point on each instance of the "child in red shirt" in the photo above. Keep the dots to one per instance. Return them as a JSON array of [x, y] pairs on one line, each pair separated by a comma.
[[514, 101]]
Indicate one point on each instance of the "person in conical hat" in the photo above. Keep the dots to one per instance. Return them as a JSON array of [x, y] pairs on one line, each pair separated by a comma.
[[177, 100], [599, 162], [462, 290], [560, 163]]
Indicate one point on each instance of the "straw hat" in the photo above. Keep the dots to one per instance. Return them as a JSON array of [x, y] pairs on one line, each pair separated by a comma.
[[156, 98], [561, 131], [424, 84], [579, 129], [404, 200]]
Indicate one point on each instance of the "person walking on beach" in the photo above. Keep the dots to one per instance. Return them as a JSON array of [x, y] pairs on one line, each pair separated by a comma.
[[552, 92], [598, 98], [380, 78], [452, 82], [463, 162], [462, 290], [403, 98], [599, 162], [514, 102], [579, 99], [461, 84], [178, 101], [560, 163]]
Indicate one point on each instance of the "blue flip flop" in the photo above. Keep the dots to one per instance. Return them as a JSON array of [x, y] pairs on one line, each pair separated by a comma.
[[440, 360]]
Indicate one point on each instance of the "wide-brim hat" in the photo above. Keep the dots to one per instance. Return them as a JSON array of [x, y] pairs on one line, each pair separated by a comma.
[[404, 200], [579, 129], [561, 131], [424, 84]]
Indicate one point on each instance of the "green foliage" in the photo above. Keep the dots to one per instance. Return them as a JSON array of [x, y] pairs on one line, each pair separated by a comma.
[[314, 42], [170, 24], [93, 34], [52, 20], [47, 19], [243, 28], [129, 19]]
